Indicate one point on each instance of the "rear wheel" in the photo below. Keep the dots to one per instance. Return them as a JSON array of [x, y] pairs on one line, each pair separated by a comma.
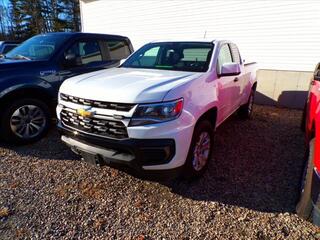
[[200, 150], [25, 121], [246, 110]]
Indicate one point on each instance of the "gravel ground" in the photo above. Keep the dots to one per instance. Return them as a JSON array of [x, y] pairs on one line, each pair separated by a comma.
[[248, 192]]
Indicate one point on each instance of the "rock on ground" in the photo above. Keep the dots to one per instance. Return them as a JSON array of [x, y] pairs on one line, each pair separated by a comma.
[[248, 192]]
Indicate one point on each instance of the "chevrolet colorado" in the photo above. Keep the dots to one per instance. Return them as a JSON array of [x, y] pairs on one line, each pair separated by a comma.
[[31, 74], [158, 111]]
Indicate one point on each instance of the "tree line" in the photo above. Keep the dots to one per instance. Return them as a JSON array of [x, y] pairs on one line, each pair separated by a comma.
[[21, 19]]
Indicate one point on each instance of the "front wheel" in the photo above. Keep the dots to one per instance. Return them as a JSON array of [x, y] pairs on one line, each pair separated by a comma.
[[200, 150], [25, 121]]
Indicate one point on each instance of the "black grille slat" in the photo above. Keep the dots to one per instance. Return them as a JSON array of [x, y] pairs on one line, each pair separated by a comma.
[[101, 127], [98, 104]]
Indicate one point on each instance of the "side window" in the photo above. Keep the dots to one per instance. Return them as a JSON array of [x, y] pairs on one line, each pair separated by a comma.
[[86, 51], [224, 56], [8, 48], [118, 49], [149, 58], [235, 53]]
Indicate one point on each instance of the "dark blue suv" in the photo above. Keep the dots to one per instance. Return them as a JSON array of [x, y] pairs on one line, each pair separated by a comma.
[[31, 74]]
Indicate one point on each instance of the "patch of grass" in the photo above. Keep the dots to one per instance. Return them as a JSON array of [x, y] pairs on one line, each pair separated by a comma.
[[21, 233], [62, 191], [4, 212], [91, 190]]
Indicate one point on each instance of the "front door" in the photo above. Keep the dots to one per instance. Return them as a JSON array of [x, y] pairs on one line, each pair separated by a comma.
[[228, 87], [88, 58]]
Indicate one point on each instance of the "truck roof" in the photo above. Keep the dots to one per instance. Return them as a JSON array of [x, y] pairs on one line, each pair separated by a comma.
[[185, 40], [10, 42], [78, 34]]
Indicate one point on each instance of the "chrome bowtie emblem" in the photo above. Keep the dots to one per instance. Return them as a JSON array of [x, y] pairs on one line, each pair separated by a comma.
[[87, 113]]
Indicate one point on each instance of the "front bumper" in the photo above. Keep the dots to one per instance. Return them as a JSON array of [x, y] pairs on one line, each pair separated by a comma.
[[136, 154]]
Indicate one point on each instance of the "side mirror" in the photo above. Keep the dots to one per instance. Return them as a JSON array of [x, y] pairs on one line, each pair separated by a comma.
[[122, 61], [70, 57], [316, 74], [71, 60], [230, 69]]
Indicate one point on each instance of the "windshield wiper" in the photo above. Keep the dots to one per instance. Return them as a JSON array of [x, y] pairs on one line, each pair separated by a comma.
[[18, 57]]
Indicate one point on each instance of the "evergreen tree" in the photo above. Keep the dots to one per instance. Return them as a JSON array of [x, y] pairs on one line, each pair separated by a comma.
[[72, 13], [31, 17], [17, 19]]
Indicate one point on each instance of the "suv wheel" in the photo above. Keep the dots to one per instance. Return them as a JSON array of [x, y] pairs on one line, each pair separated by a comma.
[[200, 150], [25, 121]]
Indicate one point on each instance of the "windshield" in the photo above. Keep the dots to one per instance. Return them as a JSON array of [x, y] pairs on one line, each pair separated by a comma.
[[178, 56], [40, 47]]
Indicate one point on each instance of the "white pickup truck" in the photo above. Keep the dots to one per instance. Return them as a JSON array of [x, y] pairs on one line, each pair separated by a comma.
[[158, 111]]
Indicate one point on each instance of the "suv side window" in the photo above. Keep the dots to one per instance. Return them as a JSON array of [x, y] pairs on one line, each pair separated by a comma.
[[224, 56], [118, 49], [235, 53], [86, 51]]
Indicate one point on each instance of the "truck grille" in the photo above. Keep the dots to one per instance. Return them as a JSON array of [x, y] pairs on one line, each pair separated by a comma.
[[94, 126], [98, 104]]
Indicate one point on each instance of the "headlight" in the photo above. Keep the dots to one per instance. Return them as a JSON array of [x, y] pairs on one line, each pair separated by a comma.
[[157, 112]]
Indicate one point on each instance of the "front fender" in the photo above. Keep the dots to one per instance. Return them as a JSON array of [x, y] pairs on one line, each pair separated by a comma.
[[14, 85]]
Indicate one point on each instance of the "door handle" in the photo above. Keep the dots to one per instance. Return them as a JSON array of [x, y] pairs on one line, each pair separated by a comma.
[[236, 79], [66, 72]]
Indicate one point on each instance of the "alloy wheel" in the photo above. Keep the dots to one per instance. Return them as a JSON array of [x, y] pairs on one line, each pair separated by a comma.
[[201, 151], [28, 121]]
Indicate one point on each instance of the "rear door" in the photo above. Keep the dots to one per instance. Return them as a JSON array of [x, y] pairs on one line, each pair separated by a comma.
[[115, 50]]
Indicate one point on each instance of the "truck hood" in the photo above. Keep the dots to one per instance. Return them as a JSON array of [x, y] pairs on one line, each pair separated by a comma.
[[8, 64], [126, 85]]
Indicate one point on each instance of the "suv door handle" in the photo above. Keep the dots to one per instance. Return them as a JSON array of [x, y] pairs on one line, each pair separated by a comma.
[[65, 72], [236, 79]]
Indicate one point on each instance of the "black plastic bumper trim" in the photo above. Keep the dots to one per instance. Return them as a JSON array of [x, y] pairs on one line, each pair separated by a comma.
[[139, 151]]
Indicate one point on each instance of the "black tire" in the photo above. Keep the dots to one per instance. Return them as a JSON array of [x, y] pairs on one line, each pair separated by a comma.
[[39, 116], [202, 130], [245, 111], [304, 206]]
